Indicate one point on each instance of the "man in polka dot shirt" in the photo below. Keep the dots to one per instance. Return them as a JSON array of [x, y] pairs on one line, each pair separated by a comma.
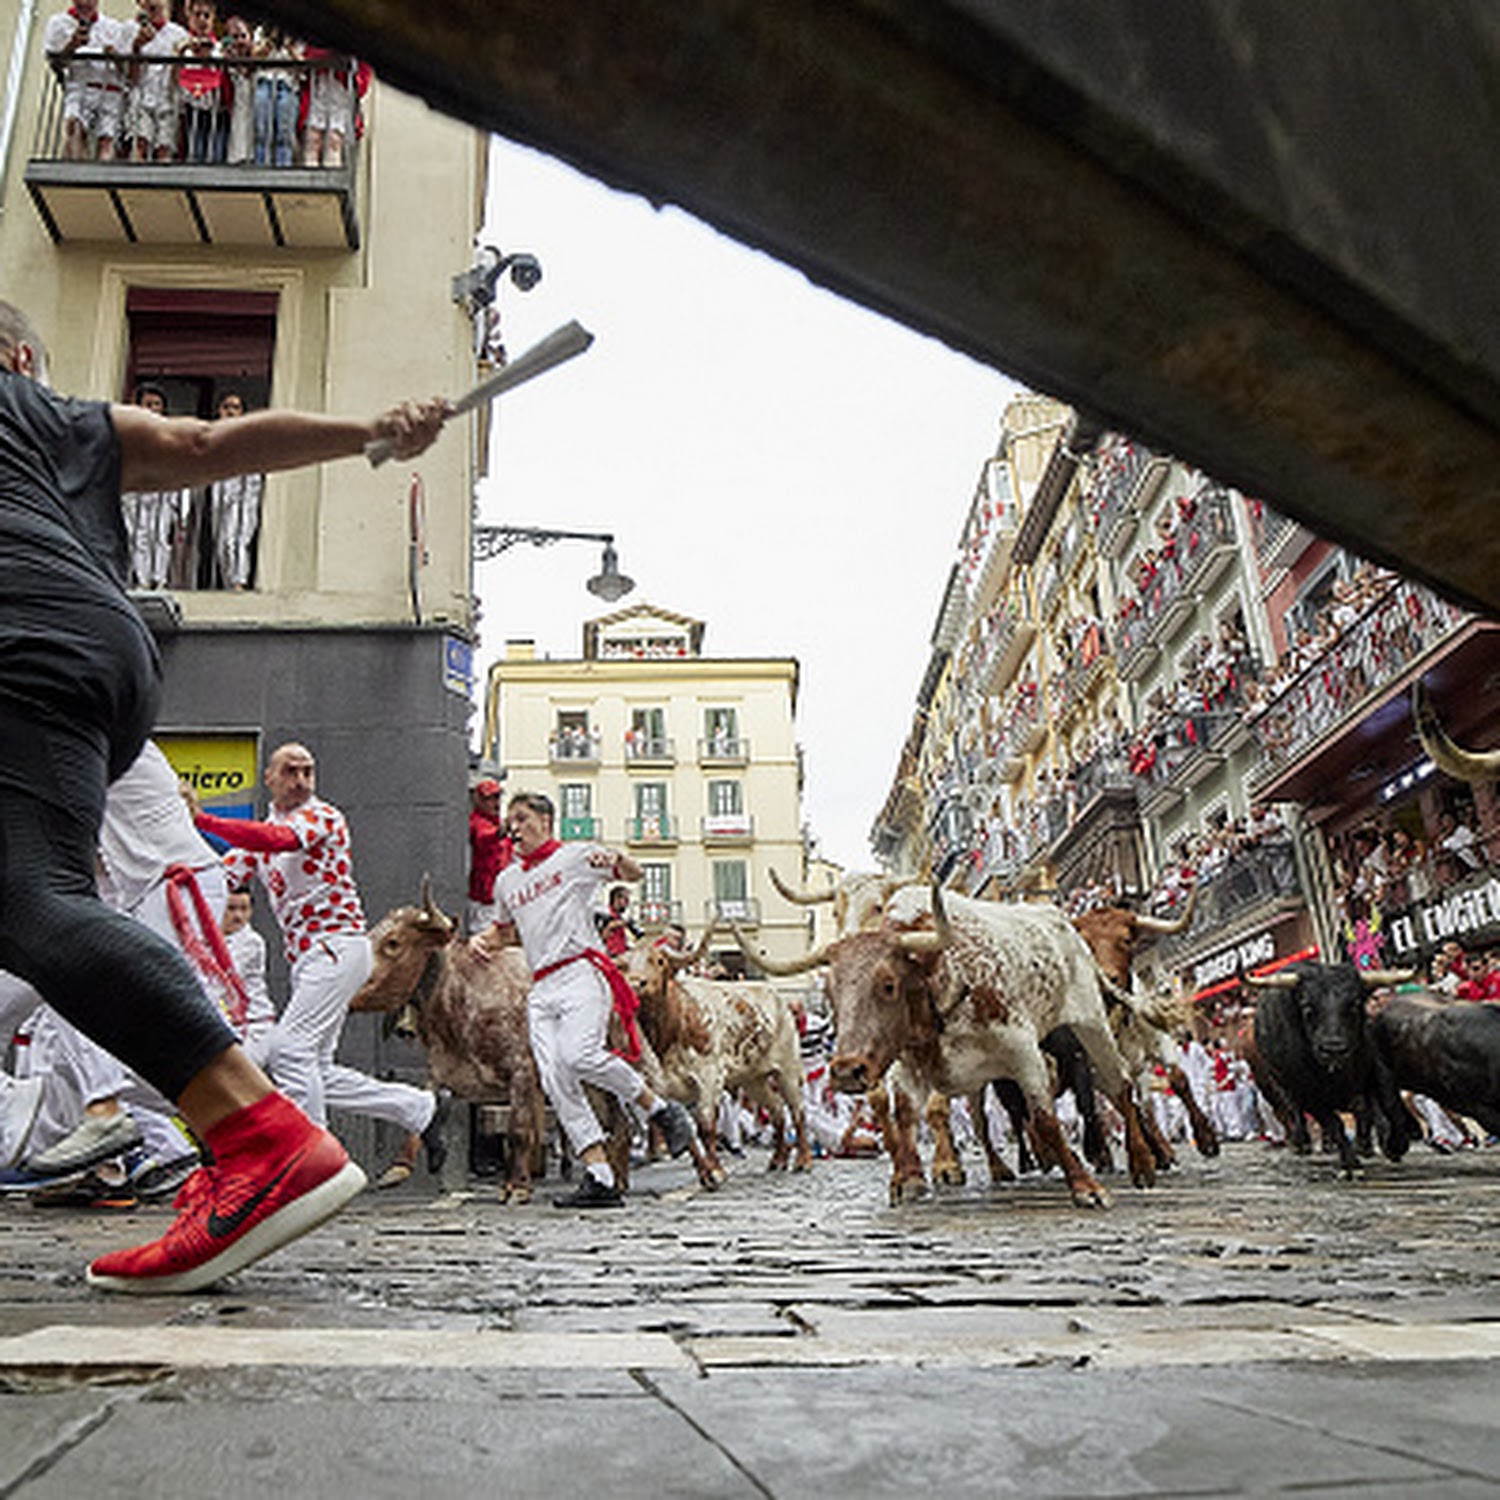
[[301, 856]]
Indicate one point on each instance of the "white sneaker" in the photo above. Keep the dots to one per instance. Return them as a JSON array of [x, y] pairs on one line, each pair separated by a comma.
[[96, 1138], [20, 1098]]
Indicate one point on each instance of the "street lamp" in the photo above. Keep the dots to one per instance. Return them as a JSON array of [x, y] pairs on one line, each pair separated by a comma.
[[609, 583]]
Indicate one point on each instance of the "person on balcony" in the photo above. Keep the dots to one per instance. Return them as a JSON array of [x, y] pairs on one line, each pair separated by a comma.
[[151, 516], [277, 98], [334, 89], [201, 87], [234, 513], [93, 89], [240, 46], [152, 107]]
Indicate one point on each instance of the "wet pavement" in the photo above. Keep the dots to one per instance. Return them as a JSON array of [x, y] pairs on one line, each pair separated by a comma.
[[1251, 1325]]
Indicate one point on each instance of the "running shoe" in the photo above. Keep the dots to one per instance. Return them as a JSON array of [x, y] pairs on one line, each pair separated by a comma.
[[154, 1179], [275, 1176], [101, 1188], [591, 1193], [94, 1139]]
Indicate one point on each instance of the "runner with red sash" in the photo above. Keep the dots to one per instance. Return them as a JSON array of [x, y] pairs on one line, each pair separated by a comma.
[[547, 897]]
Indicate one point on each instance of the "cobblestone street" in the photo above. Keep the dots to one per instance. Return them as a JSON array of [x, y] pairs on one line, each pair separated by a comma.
[[1249, 1325]]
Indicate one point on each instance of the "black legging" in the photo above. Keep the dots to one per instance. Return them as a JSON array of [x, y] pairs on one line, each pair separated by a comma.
[[117, 981]]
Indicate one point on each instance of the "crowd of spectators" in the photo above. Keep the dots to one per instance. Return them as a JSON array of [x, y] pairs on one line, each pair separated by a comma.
[[174, 84]]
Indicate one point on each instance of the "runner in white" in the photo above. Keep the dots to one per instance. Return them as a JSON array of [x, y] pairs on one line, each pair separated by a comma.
[[546, 898], [301, 855]]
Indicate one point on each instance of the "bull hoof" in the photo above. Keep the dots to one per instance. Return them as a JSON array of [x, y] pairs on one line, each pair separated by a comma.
[[777, 1164], [908, 1189], [802, 1164], [1090, 1197], [948, 1176], [516, 1192], [1208, 1146], [1144, 1178]]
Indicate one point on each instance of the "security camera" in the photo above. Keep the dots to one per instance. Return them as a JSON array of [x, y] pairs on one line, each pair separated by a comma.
[[525, 271]]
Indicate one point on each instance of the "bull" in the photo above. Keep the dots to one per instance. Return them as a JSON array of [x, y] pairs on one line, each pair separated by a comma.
[[1312, 1039], [1445, 1048], [471, 1018], [961, 992], [711, 1036], [1114, 933]]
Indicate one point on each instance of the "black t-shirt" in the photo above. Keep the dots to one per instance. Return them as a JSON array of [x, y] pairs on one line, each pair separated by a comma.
[[72, 645]]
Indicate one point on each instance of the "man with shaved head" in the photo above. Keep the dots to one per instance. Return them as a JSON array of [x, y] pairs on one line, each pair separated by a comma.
[[80, 681], [301, 855]]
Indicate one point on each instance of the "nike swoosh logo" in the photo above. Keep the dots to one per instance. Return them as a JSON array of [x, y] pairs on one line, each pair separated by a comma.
[[218, 1227]]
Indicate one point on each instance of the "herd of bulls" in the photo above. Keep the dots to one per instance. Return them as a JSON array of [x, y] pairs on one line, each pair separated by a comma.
[[932, 996]]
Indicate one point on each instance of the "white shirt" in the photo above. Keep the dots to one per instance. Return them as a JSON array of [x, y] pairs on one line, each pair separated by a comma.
[[104, 35], [552, 904], [154, 84], [147, 828], [311, 888], [248, 950]]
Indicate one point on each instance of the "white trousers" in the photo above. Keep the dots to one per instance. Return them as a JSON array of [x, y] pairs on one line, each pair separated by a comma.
[[303, 1041], [567, 1016]]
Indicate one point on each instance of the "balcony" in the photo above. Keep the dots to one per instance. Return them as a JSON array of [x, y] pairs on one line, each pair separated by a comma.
[[1255, 882], [1339, 684], [728, 828], [181, 202], [720, 750], [656, 914], [650, 753], [722, 910], [580, 830], [574, 750], [657, 832], [1278, 539]]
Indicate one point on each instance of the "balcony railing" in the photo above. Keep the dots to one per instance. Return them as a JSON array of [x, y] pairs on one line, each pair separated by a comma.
[[576, 748], [1277, 538], [660, 913], [728, 828], [586, 830], [225, 161], [1253, 878], [659, 829], [645, 748], [1403, 625], [725, 909], [720, 750]]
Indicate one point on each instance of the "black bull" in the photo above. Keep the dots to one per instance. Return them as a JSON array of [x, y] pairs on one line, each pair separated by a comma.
[[1314, 1039], [1444, 1048]]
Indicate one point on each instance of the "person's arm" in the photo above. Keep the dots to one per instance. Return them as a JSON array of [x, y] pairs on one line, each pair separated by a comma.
[[487, 942], [166, 453], [246, 833], [621, 865]]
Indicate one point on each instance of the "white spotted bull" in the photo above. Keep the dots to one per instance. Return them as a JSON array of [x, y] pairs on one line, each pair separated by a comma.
[[961, 992], [710, 1036]]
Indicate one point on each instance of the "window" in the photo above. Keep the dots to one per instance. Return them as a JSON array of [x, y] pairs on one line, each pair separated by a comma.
[[656, 894], [576, 808], [647, 736], [651, 819], [572, 740], [725, 799], [720, 725], [731, 882], [194, 353]]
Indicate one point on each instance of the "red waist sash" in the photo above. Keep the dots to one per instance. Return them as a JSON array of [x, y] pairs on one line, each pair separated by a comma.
[[626, 1002]]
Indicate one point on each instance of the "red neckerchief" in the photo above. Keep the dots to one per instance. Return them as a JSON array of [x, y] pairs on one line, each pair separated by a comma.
[[537, 855]]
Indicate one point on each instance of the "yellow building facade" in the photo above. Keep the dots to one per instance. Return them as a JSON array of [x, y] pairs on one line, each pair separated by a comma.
[[686, 761]]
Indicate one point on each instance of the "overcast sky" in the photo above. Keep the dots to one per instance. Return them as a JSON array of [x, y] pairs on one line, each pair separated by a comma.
[[772, 460]]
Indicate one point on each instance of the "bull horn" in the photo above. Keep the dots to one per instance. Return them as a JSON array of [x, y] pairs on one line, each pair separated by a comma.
[[1382, 979], [1176, 924], [683, 960], [1453, 760], [798, 898], [432, 914], [814, 960], [1279, 981], [941, 936]]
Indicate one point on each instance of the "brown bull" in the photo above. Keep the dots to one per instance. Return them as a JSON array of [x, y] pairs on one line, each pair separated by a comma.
[[715, 1036], [471, 1018]]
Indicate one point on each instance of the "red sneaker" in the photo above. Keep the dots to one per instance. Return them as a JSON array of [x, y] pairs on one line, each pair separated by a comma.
[[275, 1176]]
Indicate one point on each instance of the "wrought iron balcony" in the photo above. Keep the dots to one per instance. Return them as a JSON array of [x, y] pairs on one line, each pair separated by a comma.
[[1334, 688], [574, 749], [1258, 879], [188, 192], [725, 909], [728, 828], [646, 750], [658, 830], [722, 751], [654, 914], [584, 830]]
